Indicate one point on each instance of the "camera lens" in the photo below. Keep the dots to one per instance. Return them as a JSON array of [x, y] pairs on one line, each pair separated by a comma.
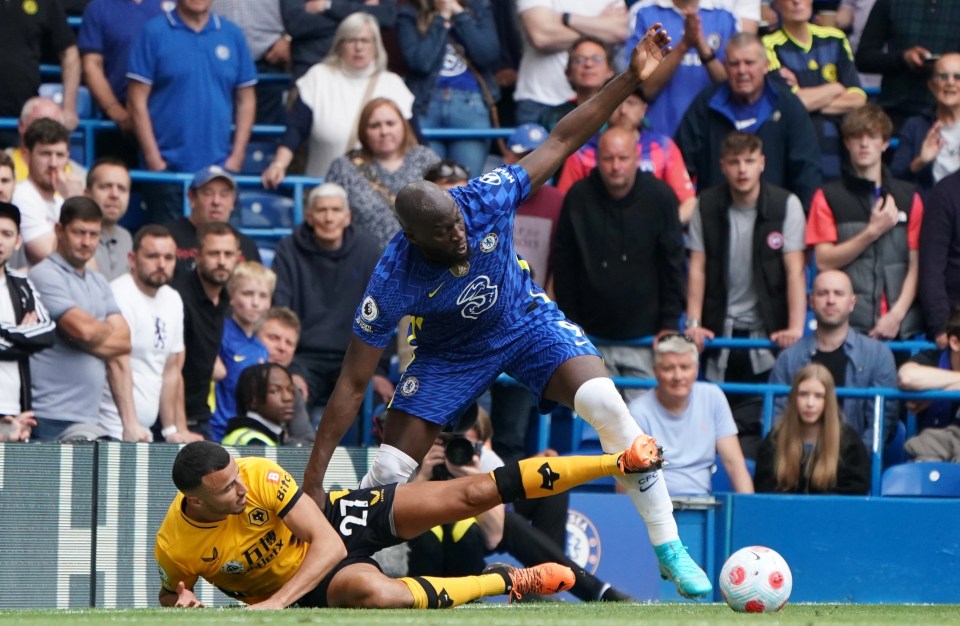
[[460, 451]]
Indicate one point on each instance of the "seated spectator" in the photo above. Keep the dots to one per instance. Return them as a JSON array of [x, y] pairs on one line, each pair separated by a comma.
[[251, 289], [854, 360], [451, 49], [389, 158], [280, 332], [322, 269], [691, 420], [589, 67], [817, 63], [329, 96], [867, 224], [751, 102], [811, 449], [212, 196], [264, 407], [929, 149], [700, 33], [8, 181], [39, 108], [40, 196], [190, 96], [935, 370], [108, 184], [656, 154], [25, 328], [939, 287]]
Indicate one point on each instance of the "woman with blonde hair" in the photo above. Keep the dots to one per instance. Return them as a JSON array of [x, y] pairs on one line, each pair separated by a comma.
[[812, 450]]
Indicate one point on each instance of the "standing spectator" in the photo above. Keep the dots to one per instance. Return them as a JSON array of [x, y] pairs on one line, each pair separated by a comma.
[[331, 95], [250, 288], [851, 18], [262, 27], [25, 29], [550, 27], [205, 305], [191, 81], [811, 450], [929, 149], [321, 272], [939, 282], [817, 63], [154, 313], [900, 40], [25, 328], [8, 182], [589, 67], [618, 255], [750, 102], [69, 378], [695, 64], [935, 370], [388, 159], [107, 34], [854, 360], [691, 420], [313, 26], [867, 224], [746, 276], [108, 184], [451, 51], [40, 196], [280, 333], [38, 108], [212, 196]]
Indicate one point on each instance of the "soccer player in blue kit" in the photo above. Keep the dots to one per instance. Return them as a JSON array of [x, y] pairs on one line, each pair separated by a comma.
[[476, 312]]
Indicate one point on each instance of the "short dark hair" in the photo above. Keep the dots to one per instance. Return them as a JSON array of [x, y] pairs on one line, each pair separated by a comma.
[[10, 212], [739, 142], [284, 315], [150, 230], [102, 161], [196, 460], [215, 228], [252, 386], [80, 208], [45, 131]]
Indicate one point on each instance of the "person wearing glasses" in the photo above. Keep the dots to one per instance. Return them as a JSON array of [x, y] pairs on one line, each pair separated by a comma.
[[691, 420], [929, 147], [589, 66]]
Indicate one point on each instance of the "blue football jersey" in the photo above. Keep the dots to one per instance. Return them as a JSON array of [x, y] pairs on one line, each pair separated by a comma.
[[457, 310]]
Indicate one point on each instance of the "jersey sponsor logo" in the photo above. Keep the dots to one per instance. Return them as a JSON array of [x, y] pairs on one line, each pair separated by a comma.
[[262, 552], [489, 242], [479, 296], [258, 517], [233, 567], [434, 292], [409, 386], [369, 310], [212, 558], [273, 477], [583, 541], [491, 178], [285, 483], [223, 52], [775, 240]]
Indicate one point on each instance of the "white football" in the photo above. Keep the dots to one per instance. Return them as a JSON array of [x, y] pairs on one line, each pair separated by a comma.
[[756, 580]]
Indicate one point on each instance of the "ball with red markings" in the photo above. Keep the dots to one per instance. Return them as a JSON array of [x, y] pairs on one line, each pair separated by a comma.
[[756, 580]]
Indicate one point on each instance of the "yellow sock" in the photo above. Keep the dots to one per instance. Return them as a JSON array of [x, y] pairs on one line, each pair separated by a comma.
[[430, 592], [545, 476]]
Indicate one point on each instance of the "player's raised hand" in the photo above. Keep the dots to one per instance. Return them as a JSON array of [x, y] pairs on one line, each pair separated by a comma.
[[650, 51], [186, 598]]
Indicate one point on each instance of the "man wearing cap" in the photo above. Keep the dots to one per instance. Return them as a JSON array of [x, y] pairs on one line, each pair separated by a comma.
[[212, 196], [25, 328]]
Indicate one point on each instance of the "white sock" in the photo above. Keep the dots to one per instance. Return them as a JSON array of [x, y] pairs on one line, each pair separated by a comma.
[[392, 465], [599, 402]]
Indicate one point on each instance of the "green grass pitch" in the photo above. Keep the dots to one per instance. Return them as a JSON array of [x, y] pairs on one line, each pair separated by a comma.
[[534, 614]]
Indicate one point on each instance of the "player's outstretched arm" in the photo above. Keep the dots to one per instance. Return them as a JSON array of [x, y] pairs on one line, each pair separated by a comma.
[[183, 598], [581, 123], [359, 365], [307, 523]]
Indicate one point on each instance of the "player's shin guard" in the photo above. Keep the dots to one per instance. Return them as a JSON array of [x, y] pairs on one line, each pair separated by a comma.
[[430, 592], [545, 476], [392, 465], [599, 402]]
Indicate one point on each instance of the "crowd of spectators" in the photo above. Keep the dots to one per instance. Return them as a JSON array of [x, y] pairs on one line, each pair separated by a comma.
[[750, 156]]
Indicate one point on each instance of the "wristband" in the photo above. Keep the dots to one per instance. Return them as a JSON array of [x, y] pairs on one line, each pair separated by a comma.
[[692, 323], [167, 431], [565, 18], [709, 57]]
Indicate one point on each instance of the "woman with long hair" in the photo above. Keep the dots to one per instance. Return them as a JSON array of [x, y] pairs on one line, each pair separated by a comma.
[[812, 450]]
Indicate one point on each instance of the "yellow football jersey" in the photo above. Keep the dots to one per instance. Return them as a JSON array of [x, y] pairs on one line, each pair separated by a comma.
[[247, 556]]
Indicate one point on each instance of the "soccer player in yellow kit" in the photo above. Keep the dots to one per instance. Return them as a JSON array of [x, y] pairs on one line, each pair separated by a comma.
[[244, 526]]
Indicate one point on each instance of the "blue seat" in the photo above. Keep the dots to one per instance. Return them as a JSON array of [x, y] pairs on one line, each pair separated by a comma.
[[893, 452], [263, 209], [258, 156], [938, 480], [85, 108], [720, 480]]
